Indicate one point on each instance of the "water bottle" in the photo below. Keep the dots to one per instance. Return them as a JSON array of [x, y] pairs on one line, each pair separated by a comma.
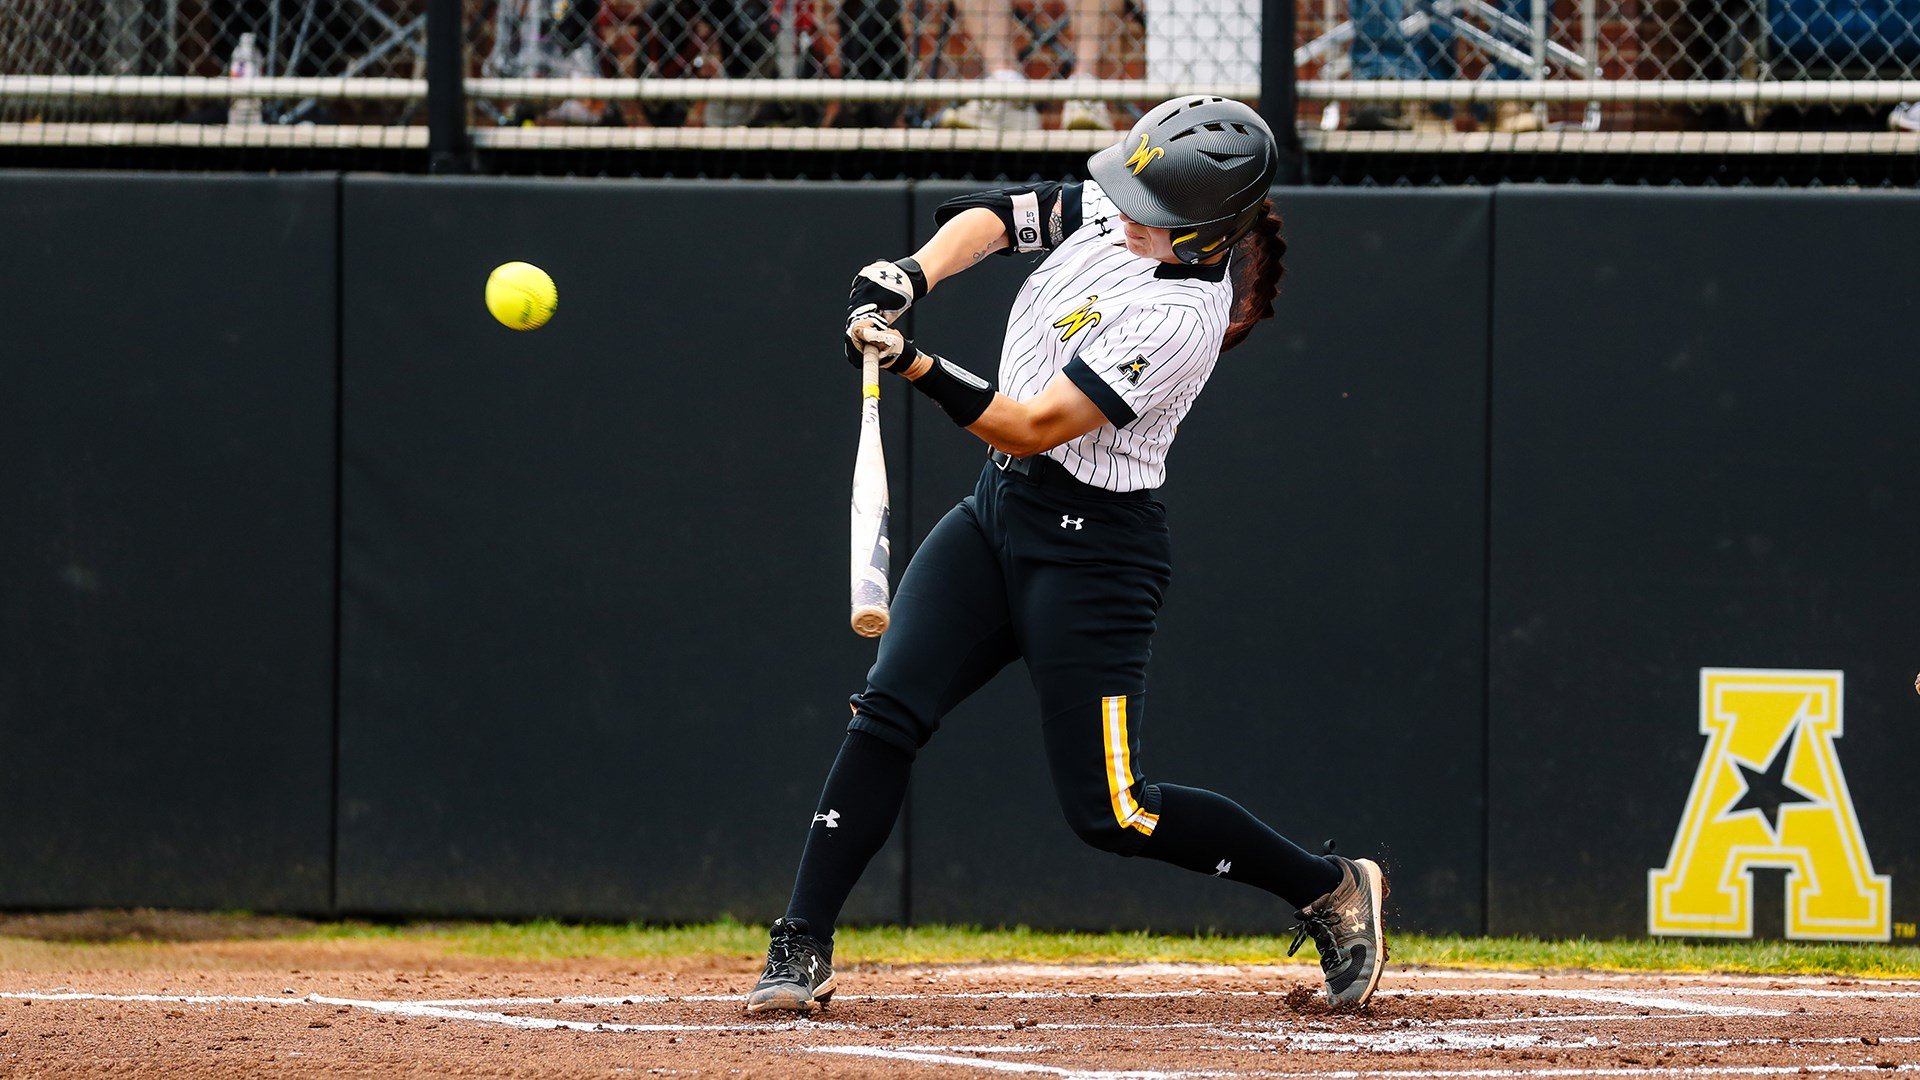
[[244, 65]]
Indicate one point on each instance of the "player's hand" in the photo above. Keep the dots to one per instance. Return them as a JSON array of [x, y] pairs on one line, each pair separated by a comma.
[[885, 290], [892, 348]]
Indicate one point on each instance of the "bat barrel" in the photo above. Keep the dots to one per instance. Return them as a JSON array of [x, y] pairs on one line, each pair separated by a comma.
[[870, 551]]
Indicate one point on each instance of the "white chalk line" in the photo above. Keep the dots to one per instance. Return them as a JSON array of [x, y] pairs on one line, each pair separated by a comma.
[[1422, 1037], [479, 1007], [1791, 992], [990, 1065], [1665, 1003], [1296, 971], [1407, 1040], [1666, 997], [924, 1058]]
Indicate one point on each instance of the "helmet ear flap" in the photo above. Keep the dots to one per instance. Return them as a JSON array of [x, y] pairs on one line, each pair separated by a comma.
[[1205, 243]]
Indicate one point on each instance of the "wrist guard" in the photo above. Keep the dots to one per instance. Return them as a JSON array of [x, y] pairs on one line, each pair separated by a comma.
[[961, 394]]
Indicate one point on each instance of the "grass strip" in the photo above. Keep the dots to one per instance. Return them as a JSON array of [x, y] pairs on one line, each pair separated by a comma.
[[543, 940]]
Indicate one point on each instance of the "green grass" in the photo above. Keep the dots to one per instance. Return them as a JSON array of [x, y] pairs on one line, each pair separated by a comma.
[[954, 944]]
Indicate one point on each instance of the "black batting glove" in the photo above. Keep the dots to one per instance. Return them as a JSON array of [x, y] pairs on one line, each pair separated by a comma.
[[883, 291]]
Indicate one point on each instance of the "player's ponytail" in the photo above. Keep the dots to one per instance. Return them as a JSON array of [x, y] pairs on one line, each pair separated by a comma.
[[1257, 267]]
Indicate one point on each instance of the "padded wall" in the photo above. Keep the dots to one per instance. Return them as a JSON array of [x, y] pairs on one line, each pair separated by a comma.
[[167, 542], [595, 590], [1704, 451]]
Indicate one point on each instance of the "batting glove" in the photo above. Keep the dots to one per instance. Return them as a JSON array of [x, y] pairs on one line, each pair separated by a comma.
[[893, 349], [883, 291]]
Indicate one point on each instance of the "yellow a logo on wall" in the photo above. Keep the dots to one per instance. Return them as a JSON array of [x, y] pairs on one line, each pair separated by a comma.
[[1769, 793]]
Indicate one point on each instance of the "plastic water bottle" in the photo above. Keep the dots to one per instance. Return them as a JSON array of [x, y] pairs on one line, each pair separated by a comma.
[[244, 65]]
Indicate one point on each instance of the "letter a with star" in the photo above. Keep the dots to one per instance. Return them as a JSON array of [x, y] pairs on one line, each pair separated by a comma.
[[1769, 793]]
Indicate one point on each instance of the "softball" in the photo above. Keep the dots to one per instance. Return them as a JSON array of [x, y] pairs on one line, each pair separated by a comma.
[[521, 296]]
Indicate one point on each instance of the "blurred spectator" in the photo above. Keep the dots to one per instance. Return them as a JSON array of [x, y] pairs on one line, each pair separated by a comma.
[[545, 39], [995, 28], [1382, 49], [873, 45], [753, 39]]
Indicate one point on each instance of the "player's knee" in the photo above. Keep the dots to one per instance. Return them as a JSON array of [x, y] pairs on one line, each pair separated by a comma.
[[1099, 827], [1103, 835], [890, 720]]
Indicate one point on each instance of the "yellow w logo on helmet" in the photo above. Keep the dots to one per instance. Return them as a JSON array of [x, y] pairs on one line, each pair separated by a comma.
[[1078, 319], [1143, 157]]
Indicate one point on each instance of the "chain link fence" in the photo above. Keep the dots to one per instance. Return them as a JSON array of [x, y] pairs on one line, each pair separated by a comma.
[[1390, 91]]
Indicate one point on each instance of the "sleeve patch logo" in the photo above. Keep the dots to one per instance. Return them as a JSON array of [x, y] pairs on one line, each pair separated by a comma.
[[1769, 793], [1143, 157], [1135, 370], [1078, 319]]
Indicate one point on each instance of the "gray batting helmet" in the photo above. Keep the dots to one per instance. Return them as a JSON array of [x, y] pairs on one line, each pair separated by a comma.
[[1197, 165]]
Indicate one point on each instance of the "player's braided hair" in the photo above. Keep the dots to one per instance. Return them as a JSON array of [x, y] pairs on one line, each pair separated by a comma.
[[1256, 275]]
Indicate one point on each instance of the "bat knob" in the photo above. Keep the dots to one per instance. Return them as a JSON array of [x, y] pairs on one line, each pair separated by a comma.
[[870, 621]]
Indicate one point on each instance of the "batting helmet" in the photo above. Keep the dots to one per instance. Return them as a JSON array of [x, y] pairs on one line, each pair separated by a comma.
[[1198, 165]]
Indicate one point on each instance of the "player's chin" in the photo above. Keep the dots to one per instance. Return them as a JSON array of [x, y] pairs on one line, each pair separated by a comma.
[[1140, 245]]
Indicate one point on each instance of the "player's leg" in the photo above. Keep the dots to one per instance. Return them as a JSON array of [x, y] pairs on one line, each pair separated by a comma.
[[1093, 750], [1085, 603], [949, 634]]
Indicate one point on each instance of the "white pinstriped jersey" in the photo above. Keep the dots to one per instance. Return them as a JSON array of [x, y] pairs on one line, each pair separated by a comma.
[[1137, 336]]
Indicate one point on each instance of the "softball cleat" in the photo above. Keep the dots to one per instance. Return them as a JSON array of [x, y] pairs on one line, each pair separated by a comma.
[[1345, 926], [799, 975]]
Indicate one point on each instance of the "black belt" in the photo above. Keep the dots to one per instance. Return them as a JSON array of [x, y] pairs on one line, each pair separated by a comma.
[[1053, 476]]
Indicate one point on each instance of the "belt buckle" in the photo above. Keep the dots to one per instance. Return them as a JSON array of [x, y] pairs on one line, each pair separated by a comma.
[[1001, 460]]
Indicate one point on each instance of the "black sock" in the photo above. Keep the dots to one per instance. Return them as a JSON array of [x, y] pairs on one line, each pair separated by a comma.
[[858, 806], [1212, 834]]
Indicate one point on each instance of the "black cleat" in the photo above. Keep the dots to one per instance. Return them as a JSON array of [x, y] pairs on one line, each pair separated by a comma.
[[1346, 927], [799, 975]]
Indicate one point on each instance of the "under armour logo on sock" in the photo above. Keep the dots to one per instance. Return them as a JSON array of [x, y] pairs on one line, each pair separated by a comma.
[[1221, 870], [1067, 521], [831, 817]]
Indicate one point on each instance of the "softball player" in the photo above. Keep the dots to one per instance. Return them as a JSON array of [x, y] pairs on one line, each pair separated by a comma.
[[1163, 260]]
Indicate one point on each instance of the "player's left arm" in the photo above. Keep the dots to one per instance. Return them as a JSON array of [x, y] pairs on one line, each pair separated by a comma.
[[1060, 413], [1122, 374]]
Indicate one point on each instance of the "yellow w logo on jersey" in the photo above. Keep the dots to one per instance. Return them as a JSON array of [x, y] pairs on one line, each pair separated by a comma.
[[1078, 319], [1769, 793], [1143, 157]]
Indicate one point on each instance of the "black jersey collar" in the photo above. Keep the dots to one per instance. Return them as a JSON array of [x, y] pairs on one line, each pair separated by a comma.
[[1202, 271]]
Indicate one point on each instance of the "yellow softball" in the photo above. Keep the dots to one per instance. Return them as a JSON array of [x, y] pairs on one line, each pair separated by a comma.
[[521, 296]]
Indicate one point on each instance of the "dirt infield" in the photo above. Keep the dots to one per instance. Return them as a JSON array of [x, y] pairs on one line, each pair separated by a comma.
[[366, 1009]]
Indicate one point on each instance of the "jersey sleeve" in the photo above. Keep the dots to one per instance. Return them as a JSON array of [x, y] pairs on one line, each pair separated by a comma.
[[1133, 367], [1038, 217]]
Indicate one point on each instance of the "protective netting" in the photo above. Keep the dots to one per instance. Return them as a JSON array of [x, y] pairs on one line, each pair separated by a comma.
[[1389, 91], [145, 82]]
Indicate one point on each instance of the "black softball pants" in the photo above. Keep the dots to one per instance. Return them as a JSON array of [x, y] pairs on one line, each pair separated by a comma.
[[1072, 582], [1071, 579]]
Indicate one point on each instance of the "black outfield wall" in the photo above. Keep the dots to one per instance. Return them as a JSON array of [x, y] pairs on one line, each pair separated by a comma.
[[596, 656], [1455, 537], [1706, 454], [167, 541]]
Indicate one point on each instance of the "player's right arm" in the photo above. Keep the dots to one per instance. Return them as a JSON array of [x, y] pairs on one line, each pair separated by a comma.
[[962, 240], [1035, 217]]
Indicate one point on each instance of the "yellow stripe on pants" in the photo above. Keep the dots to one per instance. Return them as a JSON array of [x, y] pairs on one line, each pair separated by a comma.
[[1126, 811]]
